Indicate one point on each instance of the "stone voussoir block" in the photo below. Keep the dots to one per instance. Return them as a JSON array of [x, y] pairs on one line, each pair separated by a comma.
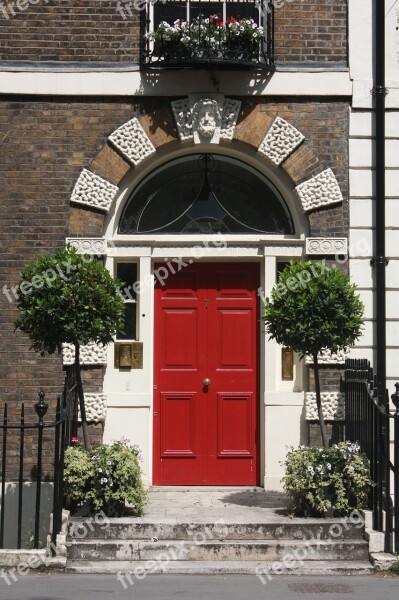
[[94, 191]]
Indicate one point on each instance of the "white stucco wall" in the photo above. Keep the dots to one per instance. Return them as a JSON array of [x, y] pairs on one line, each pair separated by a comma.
[[361, 176]]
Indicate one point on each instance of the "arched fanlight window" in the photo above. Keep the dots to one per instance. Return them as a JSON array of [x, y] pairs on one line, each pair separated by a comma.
[[205, 193]]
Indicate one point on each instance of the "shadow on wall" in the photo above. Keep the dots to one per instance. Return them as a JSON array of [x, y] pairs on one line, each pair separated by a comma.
[[28, 513]]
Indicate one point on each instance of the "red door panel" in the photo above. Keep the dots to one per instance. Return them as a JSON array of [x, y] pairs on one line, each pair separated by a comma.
[[177, 415], [235, 425], [206, 326], [180, 342]]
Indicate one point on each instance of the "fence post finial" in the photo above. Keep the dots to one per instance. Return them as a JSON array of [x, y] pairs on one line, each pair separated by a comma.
[[41, 406], [395, 398]]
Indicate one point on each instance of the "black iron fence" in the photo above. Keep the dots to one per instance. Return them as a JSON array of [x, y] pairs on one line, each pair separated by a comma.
[[200, 33], [25, 449], [376, 427]]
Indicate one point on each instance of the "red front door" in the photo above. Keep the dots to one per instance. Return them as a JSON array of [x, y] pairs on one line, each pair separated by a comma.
[[206, 328]]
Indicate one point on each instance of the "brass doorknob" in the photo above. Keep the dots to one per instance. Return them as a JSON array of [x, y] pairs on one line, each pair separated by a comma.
[[206, 382]]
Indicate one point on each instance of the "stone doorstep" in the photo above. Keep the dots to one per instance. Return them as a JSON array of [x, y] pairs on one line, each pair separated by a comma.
[[219, 567], [246, 550], [172, 529]]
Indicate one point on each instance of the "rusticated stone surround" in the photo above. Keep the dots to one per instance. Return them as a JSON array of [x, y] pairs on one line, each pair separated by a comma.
[[90, 354], [333, 404], [280, 141]]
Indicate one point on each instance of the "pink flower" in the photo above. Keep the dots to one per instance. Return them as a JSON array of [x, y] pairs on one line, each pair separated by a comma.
[[74, 440]]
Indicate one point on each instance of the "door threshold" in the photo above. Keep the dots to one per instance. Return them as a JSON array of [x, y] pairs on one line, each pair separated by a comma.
[[205, 488]]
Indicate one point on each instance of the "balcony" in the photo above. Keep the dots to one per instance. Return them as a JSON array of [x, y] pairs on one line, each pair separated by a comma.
[[199, 34]]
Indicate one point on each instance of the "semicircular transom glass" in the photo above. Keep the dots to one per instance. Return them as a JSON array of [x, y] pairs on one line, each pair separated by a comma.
[[205, 193]]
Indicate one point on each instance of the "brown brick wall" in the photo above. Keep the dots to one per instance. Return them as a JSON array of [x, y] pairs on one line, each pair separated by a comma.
[[45, 144], [69, 30], [311, 31], [325, 126], [44, 147], [95, 30]]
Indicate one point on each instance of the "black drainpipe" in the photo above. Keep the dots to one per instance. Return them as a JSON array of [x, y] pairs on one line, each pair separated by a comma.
[[379, 260]]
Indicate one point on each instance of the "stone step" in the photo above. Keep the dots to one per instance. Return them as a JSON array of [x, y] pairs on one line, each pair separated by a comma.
[[221, 550], [170, 529], [266, 570]]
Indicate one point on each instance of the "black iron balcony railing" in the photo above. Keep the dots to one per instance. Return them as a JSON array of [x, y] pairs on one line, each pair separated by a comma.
[[201, 33]]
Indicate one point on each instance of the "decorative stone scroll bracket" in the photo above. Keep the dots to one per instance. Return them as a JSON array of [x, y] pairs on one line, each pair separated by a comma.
[[206, 120], [327, 246], [319, 191], [333, 404], [280, 141], [90, 354], [94, 191], [96, 408], [91, 246]]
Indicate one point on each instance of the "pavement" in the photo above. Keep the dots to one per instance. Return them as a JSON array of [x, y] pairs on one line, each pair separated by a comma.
[[194, 587]]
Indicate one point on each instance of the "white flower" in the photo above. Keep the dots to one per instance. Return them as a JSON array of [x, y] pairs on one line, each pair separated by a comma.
[[329, 467], [107, 472], [109, 462], [100, 470]]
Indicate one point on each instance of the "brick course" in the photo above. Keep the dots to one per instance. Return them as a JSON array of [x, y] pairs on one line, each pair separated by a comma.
[[69, 30], [311, 31]]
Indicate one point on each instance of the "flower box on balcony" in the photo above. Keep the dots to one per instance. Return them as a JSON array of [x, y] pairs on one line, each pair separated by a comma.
[[210, 40]]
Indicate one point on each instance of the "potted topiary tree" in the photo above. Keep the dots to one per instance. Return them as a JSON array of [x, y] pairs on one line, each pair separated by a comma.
[[313, 308], [71, 298]]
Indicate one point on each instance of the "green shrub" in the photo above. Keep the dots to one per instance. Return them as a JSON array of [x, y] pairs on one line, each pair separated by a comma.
[[106, 476], [322, 479]]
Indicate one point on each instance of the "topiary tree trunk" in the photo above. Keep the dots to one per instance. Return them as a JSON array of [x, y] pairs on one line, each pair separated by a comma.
[[323, 429], [81, 397]]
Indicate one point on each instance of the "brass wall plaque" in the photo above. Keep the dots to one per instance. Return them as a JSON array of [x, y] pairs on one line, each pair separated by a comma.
[[137, 355], [287, 364], [128, 355]]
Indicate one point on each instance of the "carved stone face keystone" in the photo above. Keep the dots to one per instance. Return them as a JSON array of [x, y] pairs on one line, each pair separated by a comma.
[[206, 118]]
